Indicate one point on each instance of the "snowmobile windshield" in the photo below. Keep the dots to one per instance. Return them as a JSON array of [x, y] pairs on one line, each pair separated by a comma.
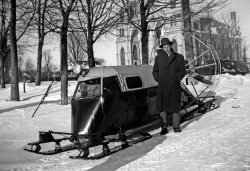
[[88, 89]]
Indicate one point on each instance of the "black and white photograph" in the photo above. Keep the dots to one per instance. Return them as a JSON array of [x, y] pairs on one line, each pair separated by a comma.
[[124, 85]]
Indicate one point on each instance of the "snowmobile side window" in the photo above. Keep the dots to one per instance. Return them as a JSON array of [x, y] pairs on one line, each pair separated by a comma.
[[88, 89], [134, 82]]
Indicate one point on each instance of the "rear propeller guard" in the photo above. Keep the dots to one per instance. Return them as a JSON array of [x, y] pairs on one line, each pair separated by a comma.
[[214, 78]]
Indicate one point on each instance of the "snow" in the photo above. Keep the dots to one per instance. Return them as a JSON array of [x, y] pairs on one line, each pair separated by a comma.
[[218, 140]]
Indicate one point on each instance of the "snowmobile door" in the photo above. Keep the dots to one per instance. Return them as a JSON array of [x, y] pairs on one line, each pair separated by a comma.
[[137, 105], [86, 107], [114, 106]]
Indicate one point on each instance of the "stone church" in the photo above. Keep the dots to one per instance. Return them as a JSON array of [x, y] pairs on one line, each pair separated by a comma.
[[225, 38]]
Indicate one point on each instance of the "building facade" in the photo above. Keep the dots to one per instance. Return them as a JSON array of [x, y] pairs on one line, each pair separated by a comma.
[[225, 38]]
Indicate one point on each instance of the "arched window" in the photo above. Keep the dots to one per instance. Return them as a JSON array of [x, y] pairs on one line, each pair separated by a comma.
[[230, 54], [157, 34], [175, 46], [135, 54], [157, 37], [122, 55], [237, 52], [135, 59], [122, 32]]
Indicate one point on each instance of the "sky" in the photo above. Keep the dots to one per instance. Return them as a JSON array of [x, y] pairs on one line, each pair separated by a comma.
[[218, 140]]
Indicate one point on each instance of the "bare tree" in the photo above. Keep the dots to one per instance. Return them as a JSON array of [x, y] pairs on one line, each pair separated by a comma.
[[48, 62], [40, 23], [66, 7], [44, 22], [96, 18], [57, 20], [24, 16], [14, 62], [4, 29], [77, 48], [29, 65]]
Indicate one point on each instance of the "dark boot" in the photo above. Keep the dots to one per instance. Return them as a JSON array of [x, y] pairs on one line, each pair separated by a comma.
[[176, 122], [164, 129], [177, 130]]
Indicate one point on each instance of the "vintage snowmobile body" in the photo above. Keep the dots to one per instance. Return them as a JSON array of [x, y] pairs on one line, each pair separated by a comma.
[[114, 102], [110, 101], [110, 98]]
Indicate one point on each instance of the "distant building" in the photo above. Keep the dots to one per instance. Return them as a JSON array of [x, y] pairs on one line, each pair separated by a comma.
[[225, 38]]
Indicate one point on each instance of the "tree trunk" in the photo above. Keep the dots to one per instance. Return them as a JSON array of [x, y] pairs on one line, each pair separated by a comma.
[[14, 62], [64, 63], [64, 53], [90, 42], [144, 44], [90, 52], [187, 30], [2, 76], [2, 45], [41, 35], [48, 73], [39, 61], [144, 35]]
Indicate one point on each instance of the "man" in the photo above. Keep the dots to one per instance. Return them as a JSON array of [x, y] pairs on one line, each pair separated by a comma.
[[168, 71]]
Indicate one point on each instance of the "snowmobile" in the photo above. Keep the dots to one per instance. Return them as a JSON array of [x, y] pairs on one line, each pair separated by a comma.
[[118, 103]]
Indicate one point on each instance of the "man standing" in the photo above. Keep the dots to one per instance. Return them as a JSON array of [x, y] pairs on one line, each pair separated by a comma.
[[168, 71]]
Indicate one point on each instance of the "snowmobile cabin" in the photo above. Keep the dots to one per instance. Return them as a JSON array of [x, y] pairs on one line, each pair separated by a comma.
[[109, 98]]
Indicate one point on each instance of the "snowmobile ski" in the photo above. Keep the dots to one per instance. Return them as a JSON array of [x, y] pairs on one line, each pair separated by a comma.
[[64, 148], [197, 114], [134, 139], [47, 137]]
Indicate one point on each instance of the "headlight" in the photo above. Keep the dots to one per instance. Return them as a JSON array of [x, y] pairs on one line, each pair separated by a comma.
[[77, 69]]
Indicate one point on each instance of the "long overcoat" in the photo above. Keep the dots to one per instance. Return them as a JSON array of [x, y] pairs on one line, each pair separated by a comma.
[[168, 71]]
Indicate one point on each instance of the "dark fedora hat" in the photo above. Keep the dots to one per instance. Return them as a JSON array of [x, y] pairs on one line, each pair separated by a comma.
[[165, 41]]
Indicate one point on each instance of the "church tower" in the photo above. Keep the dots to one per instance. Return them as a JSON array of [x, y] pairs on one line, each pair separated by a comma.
[[127, 41]]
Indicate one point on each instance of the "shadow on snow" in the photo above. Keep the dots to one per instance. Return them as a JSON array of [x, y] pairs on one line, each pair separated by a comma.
[[30, 105]]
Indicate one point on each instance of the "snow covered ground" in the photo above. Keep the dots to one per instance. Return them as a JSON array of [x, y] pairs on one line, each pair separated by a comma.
[[218, 140]]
